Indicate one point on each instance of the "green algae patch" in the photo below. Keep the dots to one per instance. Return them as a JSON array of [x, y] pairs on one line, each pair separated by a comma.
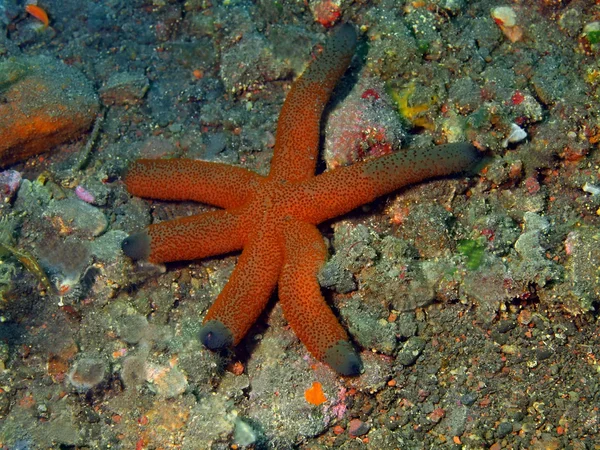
[[593, 37], [473, 251], [591, 32]]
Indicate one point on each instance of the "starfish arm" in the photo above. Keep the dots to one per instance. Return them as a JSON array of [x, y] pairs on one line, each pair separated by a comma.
[[245, 295], [297, 137], [187, 238], [185, 179], [303, 304], [341, 190]]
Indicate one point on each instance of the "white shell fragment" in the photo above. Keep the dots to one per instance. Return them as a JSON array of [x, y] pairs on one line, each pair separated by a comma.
[[591, 189], [517, 134], [504, 16]]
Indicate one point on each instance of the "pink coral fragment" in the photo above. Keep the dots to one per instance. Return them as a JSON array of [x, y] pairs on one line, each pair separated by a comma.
[[84, 194]]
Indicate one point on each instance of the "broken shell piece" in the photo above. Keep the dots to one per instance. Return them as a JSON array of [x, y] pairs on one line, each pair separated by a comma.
[[517, 134], [506, 18], [591, 188]]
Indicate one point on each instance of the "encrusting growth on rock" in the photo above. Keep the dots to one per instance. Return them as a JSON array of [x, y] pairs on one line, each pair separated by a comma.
[[273, 218]]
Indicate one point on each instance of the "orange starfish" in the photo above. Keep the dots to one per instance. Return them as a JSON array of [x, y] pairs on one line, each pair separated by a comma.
[[273, 219]]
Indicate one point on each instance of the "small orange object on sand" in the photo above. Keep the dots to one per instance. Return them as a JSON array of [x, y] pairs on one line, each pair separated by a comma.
[[314, 395], [38, 13]]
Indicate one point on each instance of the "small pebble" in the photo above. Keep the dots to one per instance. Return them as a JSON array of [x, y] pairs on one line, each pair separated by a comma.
[[169, 382], [87, 373], [407, 326], [509, 349], [411, 351], [76, 216], [524, 317], [357, 427], [468, 399], [124, 88], [338, 429], [543, 353], [437, 415], [505, 326], [504, 429]]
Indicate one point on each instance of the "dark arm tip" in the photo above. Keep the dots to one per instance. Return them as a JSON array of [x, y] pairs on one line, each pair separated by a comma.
[[215, 335], [346, 36], [137, 246], [342, 358]]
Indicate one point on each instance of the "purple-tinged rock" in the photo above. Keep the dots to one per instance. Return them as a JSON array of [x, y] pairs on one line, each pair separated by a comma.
[[10, 180]]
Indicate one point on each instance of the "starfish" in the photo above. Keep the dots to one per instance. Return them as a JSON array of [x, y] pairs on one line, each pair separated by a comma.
[[273, 219]]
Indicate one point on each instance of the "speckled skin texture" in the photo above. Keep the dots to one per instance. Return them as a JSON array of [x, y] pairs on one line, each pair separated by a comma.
[[273, 219]]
